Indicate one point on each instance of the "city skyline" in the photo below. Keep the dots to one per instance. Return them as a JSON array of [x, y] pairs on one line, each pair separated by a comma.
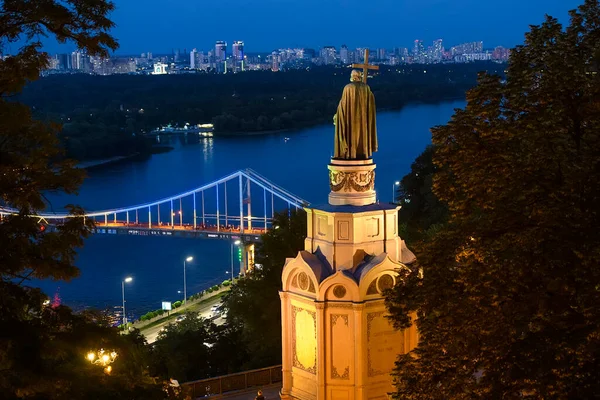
[[271, 24]]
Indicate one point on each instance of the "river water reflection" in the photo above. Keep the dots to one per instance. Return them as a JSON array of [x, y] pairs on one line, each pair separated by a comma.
[[156, 263]]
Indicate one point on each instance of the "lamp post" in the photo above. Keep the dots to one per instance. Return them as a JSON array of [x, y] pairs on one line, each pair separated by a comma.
[[189, 259], [102, 358], [237, 243], [397, 183], [126, 280]]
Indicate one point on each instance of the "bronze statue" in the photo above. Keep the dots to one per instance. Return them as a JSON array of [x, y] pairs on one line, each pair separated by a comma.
[[355, 128]]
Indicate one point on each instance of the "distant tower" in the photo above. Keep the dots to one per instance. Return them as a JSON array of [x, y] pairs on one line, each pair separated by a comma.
[[193, 57], [275, 61], [220, 55], [418, 51], [438, 50], [238, 55], [344, 54], [328, 55]]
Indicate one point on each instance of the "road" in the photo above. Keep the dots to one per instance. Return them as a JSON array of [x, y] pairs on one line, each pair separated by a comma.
[[203, 310]]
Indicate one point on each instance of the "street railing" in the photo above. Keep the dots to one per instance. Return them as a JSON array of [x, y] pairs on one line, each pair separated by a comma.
[[233, 382]]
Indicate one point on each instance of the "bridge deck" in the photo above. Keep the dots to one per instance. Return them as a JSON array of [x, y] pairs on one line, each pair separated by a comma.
[[184, 230]]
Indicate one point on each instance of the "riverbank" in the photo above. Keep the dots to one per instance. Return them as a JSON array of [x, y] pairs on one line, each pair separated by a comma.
[[324, 121]]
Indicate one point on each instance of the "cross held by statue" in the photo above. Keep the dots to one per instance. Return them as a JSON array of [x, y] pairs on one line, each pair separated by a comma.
[[366, 66]]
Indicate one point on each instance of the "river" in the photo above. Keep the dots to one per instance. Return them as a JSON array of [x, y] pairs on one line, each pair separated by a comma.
[[156, 263]]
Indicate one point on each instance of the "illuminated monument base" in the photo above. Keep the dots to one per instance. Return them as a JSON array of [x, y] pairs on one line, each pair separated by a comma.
[[337, 343], [352, 182]]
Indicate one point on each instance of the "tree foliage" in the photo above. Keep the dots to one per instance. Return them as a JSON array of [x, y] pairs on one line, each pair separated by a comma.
[[196, 348], [43, 347], [507, 302], [253, 304], [422, 213], [43, 352]]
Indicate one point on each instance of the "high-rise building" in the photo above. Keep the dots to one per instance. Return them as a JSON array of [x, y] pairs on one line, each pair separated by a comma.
[[381, 54], [220, 56], [275, 61], [308, 54], [238, 50], [359, 54], [500, 54], [193, 59], [328, 55], [77, 60], [438, 51], [419, 54], [344, 54], [238, 55], [220, 51]]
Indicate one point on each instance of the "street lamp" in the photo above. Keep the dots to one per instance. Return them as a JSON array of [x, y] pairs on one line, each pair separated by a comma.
[[102, 358], [397, 183], [189, 259], [126, 280], [237, 243]]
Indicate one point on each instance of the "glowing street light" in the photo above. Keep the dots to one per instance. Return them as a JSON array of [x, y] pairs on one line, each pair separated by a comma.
[[102, 358], [126, 280], [189, 259], [397, 183]]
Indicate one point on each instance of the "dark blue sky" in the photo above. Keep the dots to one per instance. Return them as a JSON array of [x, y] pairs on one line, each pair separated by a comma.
[[161, 25]]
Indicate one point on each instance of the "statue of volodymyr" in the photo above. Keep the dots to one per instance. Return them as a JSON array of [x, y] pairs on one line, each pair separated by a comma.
[[355, 125]]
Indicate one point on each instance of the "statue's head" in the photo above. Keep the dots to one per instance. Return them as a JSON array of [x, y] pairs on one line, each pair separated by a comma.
[[355, 76]]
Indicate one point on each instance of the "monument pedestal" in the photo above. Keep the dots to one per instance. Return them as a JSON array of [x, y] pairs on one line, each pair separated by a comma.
[[352, 182], [337, 342]]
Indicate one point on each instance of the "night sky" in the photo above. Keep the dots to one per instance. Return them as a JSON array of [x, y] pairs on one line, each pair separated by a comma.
[[264, 25]]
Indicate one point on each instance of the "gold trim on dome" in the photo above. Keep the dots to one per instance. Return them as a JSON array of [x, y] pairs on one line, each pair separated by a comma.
[[361, 181]]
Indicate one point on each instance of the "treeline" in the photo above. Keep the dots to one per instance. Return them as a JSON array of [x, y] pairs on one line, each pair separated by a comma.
[[104, 116]]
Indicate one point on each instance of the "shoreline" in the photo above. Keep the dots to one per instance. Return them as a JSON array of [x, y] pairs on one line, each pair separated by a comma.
[[322, 122], [101, 163]]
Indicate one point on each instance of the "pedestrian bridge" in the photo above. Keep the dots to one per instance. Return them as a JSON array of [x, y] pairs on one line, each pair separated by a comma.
[[237, 206]]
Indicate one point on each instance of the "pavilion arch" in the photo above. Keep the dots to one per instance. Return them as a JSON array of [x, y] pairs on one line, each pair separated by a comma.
[[379, 273], [339, 286], [303, 274]]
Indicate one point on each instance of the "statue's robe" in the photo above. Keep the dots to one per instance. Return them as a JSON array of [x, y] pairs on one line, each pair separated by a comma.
[[355, 128]]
